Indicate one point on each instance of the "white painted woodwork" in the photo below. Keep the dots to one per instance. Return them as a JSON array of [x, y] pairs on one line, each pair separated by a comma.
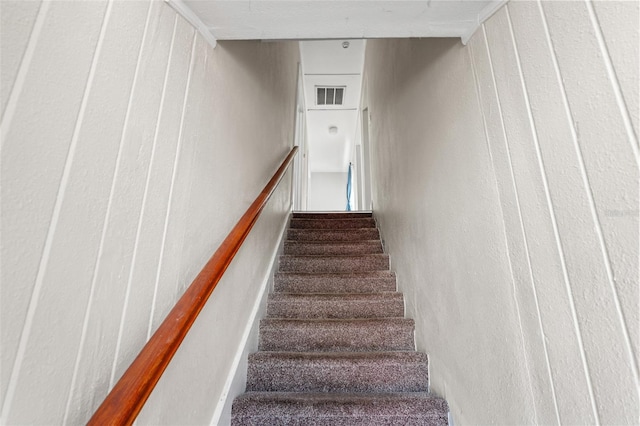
[[17, 19], [304, 20], [619, 22], [130, 147], [505, 185]]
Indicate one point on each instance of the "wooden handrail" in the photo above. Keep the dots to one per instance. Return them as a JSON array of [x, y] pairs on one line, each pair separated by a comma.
[[126, 399]]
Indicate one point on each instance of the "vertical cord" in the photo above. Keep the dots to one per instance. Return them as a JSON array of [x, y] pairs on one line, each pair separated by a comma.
[[349, 188]]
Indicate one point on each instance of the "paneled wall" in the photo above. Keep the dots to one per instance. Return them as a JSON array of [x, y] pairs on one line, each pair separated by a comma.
[[130, 148], [506, 188]]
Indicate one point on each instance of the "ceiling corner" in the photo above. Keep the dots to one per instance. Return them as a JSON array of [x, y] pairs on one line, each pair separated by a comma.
[[185, 11], [486, 13]]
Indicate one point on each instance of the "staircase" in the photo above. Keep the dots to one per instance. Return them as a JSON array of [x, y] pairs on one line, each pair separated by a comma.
[[335, 348]]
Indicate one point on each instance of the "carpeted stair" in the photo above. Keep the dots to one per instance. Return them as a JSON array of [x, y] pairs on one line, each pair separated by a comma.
[[335, 348]]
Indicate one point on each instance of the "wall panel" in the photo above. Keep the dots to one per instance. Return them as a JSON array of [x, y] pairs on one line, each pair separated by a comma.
[[18, 20], [554, 292], [619, 22], [579, 229], [35, 155], [96, 163], [128, 152], [438, 208], [129, 193], [607, 149], [525, 289], [540, 230]]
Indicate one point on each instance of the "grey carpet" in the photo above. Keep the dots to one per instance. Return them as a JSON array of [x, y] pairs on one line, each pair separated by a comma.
[[335, 348]]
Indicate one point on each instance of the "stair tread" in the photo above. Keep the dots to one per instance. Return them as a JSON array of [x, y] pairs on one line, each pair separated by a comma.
[[326, 335], [369, 274], [364, 228], [344, 306], [297, 245], [327, 243], [338, 371], [335, 223], [354, 234], [333, 263], [340, 409], [333, 323], [344, 297], [339, 357], [347, 406], [340, 283], [333, 256]]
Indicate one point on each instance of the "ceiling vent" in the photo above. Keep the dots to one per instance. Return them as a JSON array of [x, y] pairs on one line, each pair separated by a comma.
[[329, 95]]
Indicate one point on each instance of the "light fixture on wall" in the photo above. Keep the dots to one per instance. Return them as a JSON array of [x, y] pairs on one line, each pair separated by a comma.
[[333, 130], [345, 44]]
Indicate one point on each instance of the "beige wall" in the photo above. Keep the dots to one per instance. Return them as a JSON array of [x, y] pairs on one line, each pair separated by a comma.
[[130, 147], [505, 184]]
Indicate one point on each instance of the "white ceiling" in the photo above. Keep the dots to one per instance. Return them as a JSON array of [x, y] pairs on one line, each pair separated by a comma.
[[333, 19]]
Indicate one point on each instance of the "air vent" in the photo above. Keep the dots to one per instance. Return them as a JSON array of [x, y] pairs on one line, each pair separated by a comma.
[[329, 95]]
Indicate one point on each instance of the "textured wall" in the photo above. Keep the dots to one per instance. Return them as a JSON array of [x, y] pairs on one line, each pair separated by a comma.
[[505, 177], [129, 149]]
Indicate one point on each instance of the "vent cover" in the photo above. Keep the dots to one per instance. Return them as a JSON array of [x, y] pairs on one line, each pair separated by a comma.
[[326, 95]]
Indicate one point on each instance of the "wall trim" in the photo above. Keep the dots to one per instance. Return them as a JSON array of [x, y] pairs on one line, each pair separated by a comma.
[[185, 11], [257, 311], [484, 14]]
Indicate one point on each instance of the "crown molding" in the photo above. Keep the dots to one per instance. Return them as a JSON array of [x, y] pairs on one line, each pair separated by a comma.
[[484, 14], [188, 14]]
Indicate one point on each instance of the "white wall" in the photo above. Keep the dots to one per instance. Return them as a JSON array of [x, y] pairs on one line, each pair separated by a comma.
[[129, 149], [328, 191], [506, 178]]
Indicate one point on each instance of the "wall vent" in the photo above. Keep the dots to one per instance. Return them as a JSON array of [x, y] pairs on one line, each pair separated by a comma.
[[326, 95]]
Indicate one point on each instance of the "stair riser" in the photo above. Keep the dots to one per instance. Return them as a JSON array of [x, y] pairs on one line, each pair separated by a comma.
[[335, 309], [364, 283], [337, 375], [335, 224], [302, 248], [336, 336], [318, 409], [330, 235], [329, 264]]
